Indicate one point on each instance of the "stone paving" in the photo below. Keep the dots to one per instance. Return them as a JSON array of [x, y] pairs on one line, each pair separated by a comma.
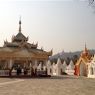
[[2, 80], [63, 85]]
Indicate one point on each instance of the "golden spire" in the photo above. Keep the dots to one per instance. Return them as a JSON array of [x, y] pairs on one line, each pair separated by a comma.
[[20, 25]]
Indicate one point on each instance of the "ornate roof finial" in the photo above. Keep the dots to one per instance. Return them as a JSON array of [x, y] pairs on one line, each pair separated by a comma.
[[20, 25], [42, 48], [85, 47], [37, 43]]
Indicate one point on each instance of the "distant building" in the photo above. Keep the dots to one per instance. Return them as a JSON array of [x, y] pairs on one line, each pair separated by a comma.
[[20, 54]]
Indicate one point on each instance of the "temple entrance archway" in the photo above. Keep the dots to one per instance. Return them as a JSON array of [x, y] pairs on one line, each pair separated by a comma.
[[82, 69]]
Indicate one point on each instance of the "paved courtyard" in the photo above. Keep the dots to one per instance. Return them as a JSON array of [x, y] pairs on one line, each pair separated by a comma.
[[63, 85]]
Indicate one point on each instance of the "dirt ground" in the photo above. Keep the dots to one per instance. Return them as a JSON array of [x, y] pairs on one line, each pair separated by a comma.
[[63, 85]]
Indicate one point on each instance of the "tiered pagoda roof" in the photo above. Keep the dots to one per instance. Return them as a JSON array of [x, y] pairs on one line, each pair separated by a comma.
[[19, 47]]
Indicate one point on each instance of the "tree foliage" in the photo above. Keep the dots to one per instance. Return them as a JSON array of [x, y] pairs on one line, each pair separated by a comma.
[[91, 2]]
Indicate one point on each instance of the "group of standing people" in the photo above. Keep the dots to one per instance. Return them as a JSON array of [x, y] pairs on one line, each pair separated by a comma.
[[19, 70], [24, 71]]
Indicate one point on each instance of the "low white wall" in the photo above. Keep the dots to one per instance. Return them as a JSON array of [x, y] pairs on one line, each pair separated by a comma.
[[4, 72]]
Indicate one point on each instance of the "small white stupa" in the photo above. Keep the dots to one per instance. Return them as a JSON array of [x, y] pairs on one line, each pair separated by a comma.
[[54, 68], [91, 68], [49, 67], [70, 68], [59, 67], [64, 66]]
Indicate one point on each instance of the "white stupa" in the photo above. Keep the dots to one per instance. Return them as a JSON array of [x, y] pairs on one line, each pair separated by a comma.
[[70, 68], [64, 66], [49, 68], [91, 68], [71, 65], [59, 67], [54, 68]]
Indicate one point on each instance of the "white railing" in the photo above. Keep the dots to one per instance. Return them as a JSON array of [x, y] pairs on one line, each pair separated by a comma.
[[4, 72]]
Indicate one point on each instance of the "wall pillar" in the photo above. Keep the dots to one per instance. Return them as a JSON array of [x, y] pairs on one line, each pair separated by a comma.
[[35, 63], [10, 63], [45, 62]]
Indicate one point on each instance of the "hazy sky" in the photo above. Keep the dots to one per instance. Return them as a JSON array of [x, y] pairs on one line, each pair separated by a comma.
[[58, 24]]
